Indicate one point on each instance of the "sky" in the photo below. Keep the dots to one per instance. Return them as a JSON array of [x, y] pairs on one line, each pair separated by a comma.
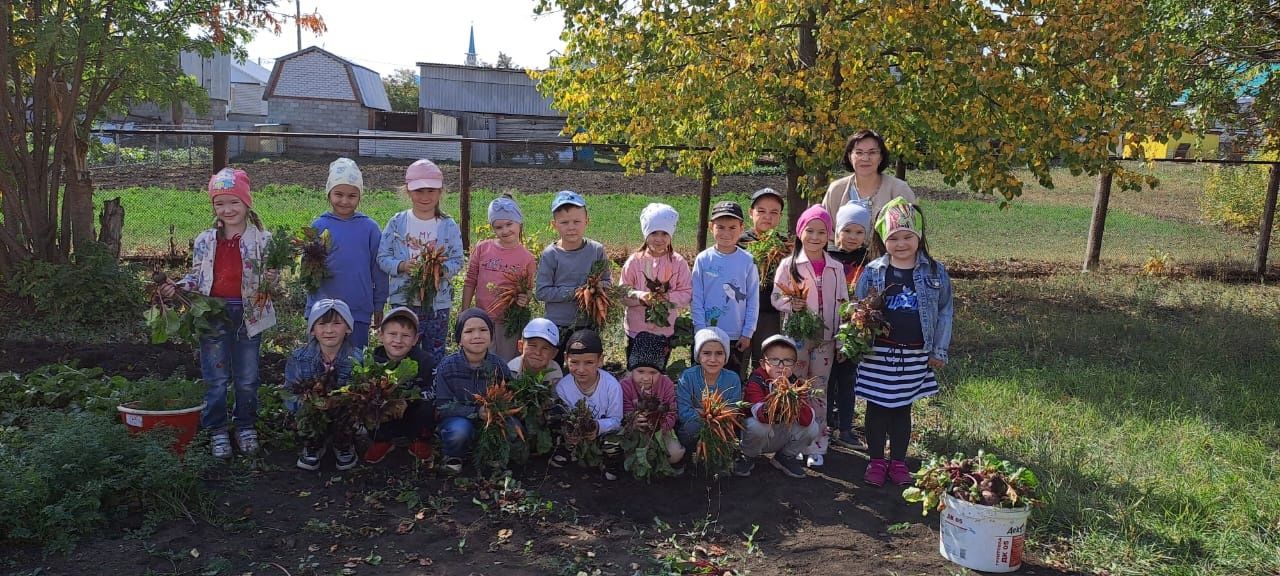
[[389, 34]]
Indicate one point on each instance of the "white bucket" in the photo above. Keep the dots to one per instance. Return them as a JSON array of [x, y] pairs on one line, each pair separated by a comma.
[[983, 538]]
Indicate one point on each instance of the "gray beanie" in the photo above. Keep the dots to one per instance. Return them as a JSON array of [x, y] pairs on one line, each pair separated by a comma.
[[322, 307], [711, 334], [853, 213]]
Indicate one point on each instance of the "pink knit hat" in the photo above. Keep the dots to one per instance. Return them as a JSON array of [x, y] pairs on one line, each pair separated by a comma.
[[423, 174], [231, 181], [815, 212]]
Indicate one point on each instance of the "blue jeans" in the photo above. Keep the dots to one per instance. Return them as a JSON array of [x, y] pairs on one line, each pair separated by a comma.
[[458, 433], [230, 355], [433, 331]]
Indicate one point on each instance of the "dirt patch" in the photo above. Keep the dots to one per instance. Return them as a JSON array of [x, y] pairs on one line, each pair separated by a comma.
[[123, 359]]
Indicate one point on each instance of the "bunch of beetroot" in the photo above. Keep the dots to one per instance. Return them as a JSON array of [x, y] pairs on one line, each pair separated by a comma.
[[984, 479]]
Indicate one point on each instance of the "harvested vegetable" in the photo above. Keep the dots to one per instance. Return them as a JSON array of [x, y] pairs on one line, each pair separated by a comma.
[[513, 316], [426, 273], [313, 247], [493, 446], [657, 306], [534, 396], [580, 435], [768, 251], [594, 298], [805, 325], [374, 395], [786, 399], [718, 437], [645, 445], [183, 317], [984, 479], [863, 322]]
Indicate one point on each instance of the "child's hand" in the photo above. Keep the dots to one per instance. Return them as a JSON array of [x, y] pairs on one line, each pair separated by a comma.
[[798, 305], [642, 422], [840, 356], [403, 267], [744, 343], [936, 363], [483, 412], [523, 300], [168, 289]]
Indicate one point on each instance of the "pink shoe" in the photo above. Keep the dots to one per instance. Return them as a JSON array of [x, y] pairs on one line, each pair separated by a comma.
[[899, 474], [876, 470]]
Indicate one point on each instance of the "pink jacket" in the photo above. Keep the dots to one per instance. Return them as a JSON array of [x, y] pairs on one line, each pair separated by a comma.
[[638, 266], [833, 291], [664, 389], [485, 270]]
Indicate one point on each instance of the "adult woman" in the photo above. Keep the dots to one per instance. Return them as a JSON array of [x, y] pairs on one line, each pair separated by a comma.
[[866, 156]]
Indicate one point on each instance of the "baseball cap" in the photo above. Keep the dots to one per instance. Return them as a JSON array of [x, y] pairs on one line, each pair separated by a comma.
[[729, 209], [402, 312], [584, 342], [542, 328], [761, 193], [423, 174], [567, 198]]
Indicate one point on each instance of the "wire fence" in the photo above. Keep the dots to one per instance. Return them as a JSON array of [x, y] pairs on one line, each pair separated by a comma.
[[115, 149]]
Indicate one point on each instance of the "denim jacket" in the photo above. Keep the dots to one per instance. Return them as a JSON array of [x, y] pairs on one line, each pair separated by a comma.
[[392, 250], [934, 291], [457, 382], [307, 363]]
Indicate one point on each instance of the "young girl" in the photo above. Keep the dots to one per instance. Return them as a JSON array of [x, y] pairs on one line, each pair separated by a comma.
[[655, 261], [353, 264], [900, 367], [491, 261], [227, 264], [810, 266], [327, 359], [711, 351], [646, 362], [406, 235], [853, 222]]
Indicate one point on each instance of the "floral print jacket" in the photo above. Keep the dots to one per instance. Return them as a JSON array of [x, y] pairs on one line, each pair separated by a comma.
[[259, 314]]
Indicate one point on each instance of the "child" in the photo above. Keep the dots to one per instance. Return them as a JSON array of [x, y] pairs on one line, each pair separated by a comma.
[[710, 347], [398, 334], [809, 265], [647, 361], [459, 377], [766, 212], [900, 367], [852, 223], [227, 263], [726, 285], [540, 339], [761, 436], [588, 381], [353, 264], [566, 263], [655, 261], [490, 262], [406, 234], [325, 360]]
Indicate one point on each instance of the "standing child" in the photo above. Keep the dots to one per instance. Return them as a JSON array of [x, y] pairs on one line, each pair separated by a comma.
[[565, 265], [710, 347], [459, 377], [823, 276], [766, 213], [761, 436], [326, 361], [406, 235], [587, 380], [726, 286], [852, 223], [491, 261], [657, 263], [398, 334], [900, 367], [355, 277], [646, 362], [541, 338], [227, 264]]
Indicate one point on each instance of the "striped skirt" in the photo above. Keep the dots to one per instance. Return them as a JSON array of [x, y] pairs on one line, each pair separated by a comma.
[[893, 376]]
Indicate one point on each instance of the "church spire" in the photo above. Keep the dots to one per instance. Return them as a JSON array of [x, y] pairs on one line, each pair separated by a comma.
[[471, 49]]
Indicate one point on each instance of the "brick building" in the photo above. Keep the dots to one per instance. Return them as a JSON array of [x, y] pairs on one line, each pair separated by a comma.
[[313, 90]]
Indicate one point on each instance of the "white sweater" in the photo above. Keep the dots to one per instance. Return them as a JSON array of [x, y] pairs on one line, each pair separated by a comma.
[[605, 402]]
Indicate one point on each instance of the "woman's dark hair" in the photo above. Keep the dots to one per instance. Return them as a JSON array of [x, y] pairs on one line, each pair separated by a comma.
[[877, 243], [858, 137]]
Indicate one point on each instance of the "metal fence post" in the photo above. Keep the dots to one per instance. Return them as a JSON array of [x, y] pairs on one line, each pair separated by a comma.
[[1100, 200], [1268, 220], [464, 194], [704, 204]]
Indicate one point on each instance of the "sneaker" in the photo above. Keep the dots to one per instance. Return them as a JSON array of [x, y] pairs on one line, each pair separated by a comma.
[[742, 466], [452, 464], [346, 457], [220, 444], [849, 439], [899, 473], [560, 457], [677, 469], [789, 465], [876, 470], [421, 449], [610, 474], [813, 460], [310, 458], [377, 451], [248, 441]]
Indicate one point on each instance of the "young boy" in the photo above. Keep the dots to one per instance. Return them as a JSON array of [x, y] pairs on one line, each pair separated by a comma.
[[540, 343], [322, 365], [399, 336], [565, 264], [766, 213], [709, 350], [853, 227], [760, 436], [726, 285], [459, 377], [587, 380], [647, 361]]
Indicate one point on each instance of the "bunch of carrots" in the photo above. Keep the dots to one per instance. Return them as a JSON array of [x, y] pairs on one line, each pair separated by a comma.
[[804, 325], [505, 306], [721, 422], [493, 447], [593, 297], [768, 251], [787, 399], [426, 272]]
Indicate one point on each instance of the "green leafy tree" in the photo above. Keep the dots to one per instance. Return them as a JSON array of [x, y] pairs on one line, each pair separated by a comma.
[[505, 61], [65, 64], [978, 88], [402, 89]]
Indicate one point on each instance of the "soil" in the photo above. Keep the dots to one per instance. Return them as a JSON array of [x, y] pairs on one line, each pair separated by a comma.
[[398, 517]]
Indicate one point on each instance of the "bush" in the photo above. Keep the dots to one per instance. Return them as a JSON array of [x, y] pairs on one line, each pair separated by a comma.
[[94, 289], [67, 388], [1234, 195], [66, 475]]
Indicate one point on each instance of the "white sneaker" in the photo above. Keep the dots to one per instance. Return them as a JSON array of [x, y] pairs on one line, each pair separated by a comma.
[[814, 460]]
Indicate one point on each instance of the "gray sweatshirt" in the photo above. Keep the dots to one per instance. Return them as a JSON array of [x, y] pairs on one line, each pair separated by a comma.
[[560, 273]]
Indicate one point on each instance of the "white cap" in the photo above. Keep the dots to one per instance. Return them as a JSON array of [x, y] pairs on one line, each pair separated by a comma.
[[542, 328], [658, 217], [344, 171]]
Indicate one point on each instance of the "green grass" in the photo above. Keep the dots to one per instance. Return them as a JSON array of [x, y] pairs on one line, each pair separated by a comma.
[[1147, 408]]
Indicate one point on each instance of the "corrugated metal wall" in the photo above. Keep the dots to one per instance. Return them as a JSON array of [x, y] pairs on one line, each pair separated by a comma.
[[372, 91], [247, 99], [483, 90], [409, 149]]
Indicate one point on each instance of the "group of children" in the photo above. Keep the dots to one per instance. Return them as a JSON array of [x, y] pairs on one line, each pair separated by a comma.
[[736, 317]]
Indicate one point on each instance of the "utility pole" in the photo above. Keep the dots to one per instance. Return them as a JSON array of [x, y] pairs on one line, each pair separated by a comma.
[[297, 20]]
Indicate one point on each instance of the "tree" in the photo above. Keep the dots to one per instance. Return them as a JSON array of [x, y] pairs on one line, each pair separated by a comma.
[[65, 63], [978, 88], [402, 89], [504, 61]]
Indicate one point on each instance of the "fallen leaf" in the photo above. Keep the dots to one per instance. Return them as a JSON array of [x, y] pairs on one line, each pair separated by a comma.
[[716, 550], [405, 527], [303, 494], [313, 548], [504, 534], [424, 561]]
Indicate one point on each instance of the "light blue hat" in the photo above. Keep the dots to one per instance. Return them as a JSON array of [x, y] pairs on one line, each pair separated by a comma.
[[567, 198], [322, 307], [853, 213], [504, 208]]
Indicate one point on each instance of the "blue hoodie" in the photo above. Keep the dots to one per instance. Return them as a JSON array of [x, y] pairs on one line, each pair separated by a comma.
[[356, 278]]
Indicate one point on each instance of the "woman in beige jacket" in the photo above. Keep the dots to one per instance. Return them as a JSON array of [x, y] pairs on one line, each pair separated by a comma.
[[866, 157]]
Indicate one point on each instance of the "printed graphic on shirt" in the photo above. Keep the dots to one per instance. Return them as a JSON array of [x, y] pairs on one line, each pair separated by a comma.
[[904, 300], [733, 294]]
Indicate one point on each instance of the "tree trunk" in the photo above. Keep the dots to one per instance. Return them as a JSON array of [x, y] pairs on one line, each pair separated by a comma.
[[1093, 253], [111, 225], [795, 203]]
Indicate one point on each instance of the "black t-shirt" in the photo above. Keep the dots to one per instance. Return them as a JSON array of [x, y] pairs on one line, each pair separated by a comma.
[[902, 306]]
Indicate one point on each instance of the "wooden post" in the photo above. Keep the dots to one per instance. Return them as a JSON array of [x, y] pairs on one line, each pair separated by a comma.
[[1268, 220], [111, 225], [464, 194], [219, 152], [900, 170], [1100, 200], [795, 204], [704, 205]]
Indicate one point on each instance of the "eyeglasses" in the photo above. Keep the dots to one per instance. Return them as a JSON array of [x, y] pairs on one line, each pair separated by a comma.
[[866, 153], [776, 362]]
